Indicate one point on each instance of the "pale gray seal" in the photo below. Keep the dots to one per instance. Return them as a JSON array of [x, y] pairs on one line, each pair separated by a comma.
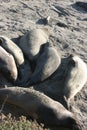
[[31, 42], [40, 107], [12, 48], [7, 65], [47, 64], [76, 76]]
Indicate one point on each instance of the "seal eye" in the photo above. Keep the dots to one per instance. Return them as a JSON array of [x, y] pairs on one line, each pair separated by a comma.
[[1, 41]]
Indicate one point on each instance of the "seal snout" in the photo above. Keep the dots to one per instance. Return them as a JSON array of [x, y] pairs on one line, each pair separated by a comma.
[[73, 123], [77, 125]]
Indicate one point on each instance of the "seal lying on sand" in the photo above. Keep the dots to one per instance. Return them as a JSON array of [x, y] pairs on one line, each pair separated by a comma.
[[76, 76], [12, 48], [40, 107], [7, 65], [31, 42], [46, 65]]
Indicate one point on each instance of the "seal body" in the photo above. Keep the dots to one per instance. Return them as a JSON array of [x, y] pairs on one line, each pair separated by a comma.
[[30, 43], [39, 106], [76, 76], [8, 65], [47, 64], [12, 48]]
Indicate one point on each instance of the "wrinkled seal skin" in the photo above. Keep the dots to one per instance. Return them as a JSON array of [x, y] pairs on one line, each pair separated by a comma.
[[39, 106], [31, 42], [76, 76], [8, 65], [12, 48], [46, 65]]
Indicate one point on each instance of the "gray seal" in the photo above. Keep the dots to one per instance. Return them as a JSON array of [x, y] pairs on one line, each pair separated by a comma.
[[40, 107], [76, 77], [12, 48], [8, 65], [47, 64], [31, 42]]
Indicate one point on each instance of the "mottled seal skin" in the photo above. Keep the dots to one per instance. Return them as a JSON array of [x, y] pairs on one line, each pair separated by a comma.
[[12, 48], [30, 43], [47, 64], [76, 76], [8, 65], [39, 106]]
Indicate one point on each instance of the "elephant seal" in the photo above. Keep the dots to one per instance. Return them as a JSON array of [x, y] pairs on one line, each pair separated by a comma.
[[31, 42], [8, 65], [12, 48], [76, 76], [46, 65], [40, 107]]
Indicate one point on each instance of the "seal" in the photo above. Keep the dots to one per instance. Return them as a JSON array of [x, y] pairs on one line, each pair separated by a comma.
[[12, 48], [31, 42], [76, 76], [47, 64], [40, 107], [8, 65]]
